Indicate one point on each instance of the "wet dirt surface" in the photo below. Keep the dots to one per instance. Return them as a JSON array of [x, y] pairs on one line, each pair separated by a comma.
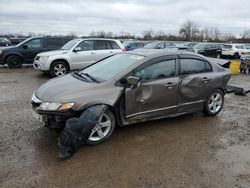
[[188, 151]]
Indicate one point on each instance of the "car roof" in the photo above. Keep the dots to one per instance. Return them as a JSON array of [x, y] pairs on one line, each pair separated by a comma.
[[151, 53]]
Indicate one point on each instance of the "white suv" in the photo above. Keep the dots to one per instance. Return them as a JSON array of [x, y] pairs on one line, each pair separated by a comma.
[[234, 50], [76, 54]]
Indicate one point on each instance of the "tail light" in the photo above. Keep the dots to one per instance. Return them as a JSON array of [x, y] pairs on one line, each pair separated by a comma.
[[123, 50]]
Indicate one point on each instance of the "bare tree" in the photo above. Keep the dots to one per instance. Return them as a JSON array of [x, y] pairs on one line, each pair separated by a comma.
[[189, 30]]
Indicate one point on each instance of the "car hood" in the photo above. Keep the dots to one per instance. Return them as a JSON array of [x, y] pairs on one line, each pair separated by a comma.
[[70, 89], [6, 47], [53, 52]]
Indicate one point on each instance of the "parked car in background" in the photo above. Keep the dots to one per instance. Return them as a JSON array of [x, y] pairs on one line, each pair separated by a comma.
[[234, 50], [17, 40], [186, 48], [136, 86], [190, 44], [208, 49], [159, 45], [76, 54], [131, 45], [245, 63], [5, 42], [25, 52]]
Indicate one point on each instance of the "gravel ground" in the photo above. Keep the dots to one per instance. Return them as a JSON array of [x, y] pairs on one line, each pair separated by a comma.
[[187, 151]]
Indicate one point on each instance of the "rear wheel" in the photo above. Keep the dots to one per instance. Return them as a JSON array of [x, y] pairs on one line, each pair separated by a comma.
[[214, 103], [103, 129], [236, 56], [14, 61], [59, 68]]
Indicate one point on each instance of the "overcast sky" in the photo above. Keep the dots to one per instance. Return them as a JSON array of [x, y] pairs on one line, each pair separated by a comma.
[[83, 16]]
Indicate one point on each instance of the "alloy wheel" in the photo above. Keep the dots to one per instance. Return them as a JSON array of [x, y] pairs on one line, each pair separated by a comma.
[[101, 129], [60, 70], [215, 102]]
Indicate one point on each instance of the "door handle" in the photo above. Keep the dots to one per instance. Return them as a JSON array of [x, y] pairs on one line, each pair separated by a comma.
[[205, 79], [111, 52], [92, 53], [170, 85]]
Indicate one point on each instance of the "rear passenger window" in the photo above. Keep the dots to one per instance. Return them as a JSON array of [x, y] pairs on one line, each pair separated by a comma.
[[109, 46], [159, 70], [114, 45], [53, 43], [100, 45], [193, 66]]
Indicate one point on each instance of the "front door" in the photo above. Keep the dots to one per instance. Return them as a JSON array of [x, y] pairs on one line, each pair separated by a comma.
[[83, 57], [156, 96], [31, 48]]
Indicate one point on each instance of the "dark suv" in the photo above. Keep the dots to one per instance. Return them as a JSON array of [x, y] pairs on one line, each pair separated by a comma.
[[208, 49], [26, 51]]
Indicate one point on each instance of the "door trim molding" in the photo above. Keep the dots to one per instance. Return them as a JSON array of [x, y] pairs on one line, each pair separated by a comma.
[[190, 103], [150, 111]]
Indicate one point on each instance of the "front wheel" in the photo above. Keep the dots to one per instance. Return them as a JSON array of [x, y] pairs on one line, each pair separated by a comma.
[[103, 129], [59, 68], [14, 61], [214, 103]]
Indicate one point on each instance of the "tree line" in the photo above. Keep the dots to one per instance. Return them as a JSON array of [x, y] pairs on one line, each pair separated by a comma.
[[189, 31]]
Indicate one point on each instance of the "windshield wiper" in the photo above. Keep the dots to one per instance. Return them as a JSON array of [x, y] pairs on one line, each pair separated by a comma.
[[91, 77]]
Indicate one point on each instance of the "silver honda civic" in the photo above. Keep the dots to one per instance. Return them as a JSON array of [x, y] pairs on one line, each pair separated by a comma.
[[137, 86]]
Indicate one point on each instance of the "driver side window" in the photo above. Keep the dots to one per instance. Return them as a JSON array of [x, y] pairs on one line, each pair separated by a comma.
[[87, 45], [156, 71], [35, 43]]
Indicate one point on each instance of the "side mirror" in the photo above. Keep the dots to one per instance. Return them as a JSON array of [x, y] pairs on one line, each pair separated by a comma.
[[133, 81], [77, 49], [25, 46]]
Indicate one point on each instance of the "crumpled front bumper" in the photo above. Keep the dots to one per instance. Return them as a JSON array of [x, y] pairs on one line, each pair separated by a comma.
[[52, 119]]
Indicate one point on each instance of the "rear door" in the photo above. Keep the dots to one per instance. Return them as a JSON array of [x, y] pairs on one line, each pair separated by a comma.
[[158, 93], [197, 80], [52, 43], [104, 48]]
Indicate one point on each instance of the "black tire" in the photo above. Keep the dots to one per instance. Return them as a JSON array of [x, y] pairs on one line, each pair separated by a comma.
[[59, 68], [14, 61], [207, 108], [110, 114], [236, 56]]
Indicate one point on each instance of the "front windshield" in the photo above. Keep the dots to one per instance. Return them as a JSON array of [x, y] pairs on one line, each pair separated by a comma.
[[151, 45], [70, 44], [199, 46], [23, 42], [112, 66]]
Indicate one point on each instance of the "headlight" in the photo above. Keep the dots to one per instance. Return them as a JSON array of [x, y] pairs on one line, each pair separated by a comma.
[[44, 58], [55, 106]]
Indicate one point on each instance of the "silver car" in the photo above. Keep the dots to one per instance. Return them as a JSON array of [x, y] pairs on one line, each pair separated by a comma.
[[76, 54], [137, 86]]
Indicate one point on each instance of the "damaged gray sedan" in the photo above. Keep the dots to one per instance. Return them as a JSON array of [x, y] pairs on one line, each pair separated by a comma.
[[136, 86]]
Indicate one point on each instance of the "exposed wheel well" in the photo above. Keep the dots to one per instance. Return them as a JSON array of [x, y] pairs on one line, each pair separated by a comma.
[[12, 55], [65, 61]]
